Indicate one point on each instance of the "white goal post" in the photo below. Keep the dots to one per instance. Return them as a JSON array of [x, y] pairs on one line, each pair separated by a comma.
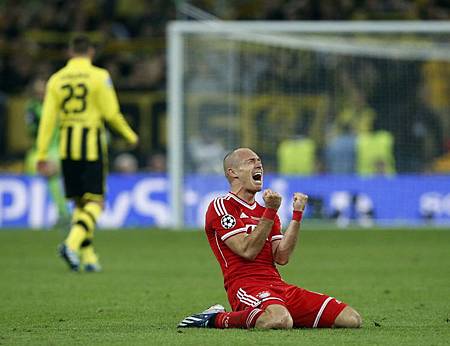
[[302, 35]]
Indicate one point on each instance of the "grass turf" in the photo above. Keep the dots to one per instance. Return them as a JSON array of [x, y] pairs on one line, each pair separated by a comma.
[[398, 280]]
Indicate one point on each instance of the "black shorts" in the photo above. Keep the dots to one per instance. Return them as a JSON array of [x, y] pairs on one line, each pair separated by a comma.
[[83, 178]]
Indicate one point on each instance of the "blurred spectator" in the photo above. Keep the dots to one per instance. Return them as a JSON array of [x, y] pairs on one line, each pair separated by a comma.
[[436, 91], [156, 163], [297, 156], [17, 73], [207, 153], [340, 152], [442, 163], [425, 133], [125, 163], [375, 153], [146, 73], [356, 112], [204, 79]]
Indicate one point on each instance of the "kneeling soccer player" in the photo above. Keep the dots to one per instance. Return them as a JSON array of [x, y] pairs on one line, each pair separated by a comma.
[[246, 240]]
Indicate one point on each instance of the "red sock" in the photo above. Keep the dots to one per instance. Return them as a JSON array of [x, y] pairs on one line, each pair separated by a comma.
[[237, 319]]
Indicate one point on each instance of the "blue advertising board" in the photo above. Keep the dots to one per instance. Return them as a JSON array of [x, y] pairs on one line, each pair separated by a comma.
[[141, 200]]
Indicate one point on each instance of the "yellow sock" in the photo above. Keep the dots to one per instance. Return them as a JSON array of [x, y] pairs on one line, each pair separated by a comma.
[[83, 224], [88, 217], [76, 236], [93, 210], [88, 255], [77, 233], [75, 214]]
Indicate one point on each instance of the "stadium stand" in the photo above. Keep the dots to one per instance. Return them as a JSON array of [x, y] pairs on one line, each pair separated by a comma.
[[131, 39]]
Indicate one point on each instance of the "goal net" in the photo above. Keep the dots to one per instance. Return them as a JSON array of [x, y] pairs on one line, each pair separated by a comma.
[[329, 107]]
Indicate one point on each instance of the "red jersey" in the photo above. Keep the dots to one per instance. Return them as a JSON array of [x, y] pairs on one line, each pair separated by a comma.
[[227, 216]]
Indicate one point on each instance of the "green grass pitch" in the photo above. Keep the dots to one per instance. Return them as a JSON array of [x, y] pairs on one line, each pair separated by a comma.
[[398, 280]]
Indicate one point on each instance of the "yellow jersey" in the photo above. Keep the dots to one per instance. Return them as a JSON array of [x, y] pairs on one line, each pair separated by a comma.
[[79, 99]]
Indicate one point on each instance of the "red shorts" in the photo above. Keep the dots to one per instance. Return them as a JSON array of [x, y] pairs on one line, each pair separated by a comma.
[[308, 309]]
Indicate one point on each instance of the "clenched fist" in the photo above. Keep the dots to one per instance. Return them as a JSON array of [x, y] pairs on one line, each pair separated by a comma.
[[300, 201], [272, 199]]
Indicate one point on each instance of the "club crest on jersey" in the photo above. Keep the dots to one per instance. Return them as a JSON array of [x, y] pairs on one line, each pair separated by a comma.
[[228, 221], [263, 294]]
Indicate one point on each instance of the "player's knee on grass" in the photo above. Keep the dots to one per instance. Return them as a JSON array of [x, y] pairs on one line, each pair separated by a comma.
[[275, 317], [348, 318]]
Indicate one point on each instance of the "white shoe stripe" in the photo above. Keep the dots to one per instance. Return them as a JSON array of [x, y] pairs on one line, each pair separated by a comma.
[[192, 318], [72, 256]]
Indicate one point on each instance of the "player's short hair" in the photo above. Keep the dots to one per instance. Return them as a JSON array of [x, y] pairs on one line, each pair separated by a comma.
[[225, 162], [80, 44], [228, 161], [225, 159]]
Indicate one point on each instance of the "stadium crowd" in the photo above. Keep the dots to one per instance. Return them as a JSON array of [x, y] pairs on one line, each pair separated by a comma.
[[131, 39]]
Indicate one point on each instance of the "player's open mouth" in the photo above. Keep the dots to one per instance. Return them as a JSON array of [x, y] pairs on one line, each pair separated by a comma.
[[257, 177]]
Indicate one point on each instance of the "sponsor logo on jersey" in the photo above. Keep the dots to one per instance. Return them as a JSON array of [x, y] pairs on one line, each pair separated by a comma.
[[250, 228], [243, 215], [228, 221]]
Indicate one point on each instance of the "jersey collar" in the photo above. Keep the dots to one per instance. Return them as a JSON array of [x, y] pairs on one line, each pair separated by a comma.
[[79, 61], [241, 201]]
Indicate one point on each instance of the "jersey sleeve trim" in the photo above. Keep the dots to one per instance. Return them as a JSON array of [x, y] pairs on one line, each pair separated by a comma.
[[219, 207], [232, 233], [276, 237]]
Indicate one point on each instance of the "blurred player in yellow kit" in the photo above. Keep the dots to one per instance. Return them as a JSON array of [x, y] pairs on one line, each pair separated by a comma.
[[80, 99]]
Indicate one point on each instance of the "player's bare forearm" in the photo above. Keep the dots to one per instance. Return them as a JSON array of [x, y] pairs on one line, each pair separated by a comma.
[[257, 238], [250, 245], [287, 245], [254, 242]]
